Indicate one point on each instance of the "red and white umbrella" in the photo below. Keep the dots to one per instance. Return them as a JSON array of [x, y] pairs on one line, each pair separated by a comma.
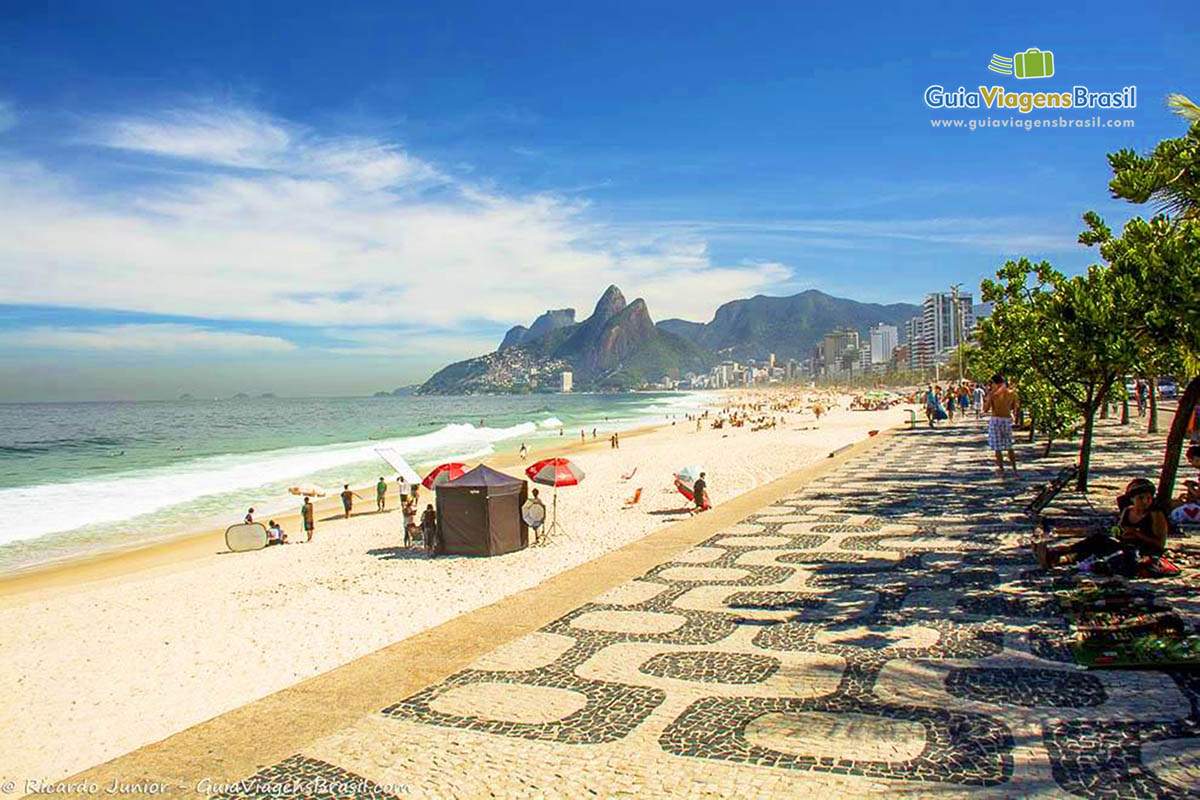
[[555, 472], [444, 473]]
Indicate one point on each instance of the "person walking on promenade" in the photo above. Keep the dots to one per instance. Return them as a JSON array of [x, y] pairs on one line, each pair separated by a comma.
[[1000, 404], [348, 499], [930, 404], [1139, 390], [306, 515], [978, 400], [948, 403]]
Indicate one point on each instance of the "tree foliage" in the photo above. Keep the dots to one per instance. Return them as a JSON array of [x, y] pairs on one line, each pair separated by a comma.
[[1070, 341]]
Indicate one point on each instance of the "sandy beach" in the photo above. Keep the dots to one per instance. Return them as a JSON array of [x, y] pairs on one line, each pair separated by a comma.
[[108, 655]]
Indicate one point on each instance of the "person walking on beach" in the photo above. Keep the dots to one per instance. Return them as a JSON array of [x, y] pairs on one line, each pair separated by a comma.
[[402, 487], [381, 494], [1000, 404], [429, 530], [348, 499], [524, 451], [306, 515], [617, 440], [582, 436]]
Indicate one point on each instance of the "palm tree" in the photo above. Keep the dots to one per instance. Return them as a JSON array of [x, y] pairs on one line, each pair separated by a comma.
[[1184, 107]]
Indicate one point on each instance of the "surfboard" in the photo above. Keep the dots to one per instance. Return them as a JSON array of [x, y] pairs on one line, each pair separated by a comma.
[[243, 538]]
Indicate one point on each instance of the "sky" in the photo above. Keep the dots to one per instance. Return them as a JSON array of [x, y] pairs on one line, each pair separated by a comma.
[[334, 199]]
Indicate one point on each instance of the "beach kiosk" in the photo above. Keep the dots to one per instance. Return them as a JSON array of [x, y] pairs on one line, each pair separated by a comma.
[[479, 514]]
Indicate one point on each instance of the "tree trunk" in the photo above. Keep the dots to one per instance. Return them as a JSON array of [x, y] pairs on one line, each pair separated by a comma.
[[1032, 425], [1170, 467], [1049, 444], [1085, 446], [1153, 427], [1125, 410]]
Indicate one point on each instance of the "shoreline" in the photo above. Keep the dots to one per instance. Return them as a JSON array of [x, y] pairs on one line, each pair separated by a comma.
[[180, 549], [158, 640]]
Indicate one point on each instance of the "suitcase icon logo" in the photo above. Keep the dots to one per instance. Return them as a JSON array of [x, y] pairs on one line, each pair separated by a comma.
[[1033, 63]]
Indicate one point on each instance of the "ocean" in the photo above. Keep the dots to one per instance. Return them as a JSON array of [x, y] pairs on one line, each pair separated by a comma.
[[76, 478]]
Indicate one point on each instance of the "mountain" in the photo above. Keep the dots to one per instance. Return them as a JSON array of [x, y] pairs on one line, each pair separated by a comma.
[[552, 320], [785, 326], [617, 347]]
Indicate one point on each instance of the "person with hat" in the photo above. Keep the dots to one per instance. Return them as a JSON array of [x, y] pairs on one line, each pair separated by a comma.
[[1140, 531]]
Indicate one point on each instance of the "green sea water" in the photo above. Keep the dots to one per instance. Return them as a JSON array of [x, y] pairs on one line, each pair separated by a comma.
[[78, 477]]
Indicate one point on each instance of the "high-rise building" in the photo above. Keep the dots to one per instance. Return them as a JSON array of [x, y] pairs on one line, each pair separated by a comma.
[[946, 320], [835, 344], [913, 336], [884, 339], [567, 380]]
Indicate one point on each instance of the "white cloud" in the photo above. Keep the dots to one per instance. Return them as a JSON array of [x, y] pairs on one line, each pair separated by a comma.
[[408, 345], [149, 338], [266, 220], [231, 136], [991, 235]]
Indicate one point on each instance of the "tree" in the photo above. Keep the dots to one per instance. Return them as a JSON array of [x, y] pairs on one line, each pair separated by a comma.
[[1071, 333], [1169, 176], [1162, 255], [1162, 259]]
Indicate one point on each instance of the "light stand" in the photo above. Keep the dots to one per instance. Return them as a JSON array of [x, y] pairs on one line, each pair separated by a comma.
[[544, 538]]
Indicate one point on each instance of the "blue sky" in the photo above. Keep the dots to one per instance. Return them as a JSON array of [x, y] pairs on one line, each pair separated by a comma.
[[338, 198]]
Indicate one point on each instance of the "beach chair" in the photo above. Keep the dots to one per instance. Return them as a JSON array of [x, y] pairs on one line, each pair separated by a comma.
[[633, 501], [630, 475]]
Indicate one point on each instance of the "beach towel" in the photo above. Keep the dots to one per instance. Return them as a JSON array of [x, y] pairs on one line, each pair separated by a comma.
[[1152, 650]]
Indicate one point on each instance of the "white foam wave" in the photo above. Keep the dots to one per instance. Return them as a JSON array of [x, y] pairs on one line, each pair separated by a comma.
[[54, 508], [551, 423]]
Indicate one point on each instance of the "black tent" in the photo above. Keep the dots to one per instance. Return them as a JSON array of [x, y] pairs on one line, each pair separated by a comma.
[[480, 514]]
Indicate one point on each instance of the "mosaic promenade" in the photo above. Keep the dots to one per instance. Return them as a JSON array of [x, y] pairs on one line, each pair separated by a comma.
[[879, 630]]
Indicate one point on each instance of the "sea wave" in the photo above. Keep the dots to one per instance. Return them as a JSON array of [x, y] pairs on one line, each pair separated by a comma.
[[39, 510], [551, 423]]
